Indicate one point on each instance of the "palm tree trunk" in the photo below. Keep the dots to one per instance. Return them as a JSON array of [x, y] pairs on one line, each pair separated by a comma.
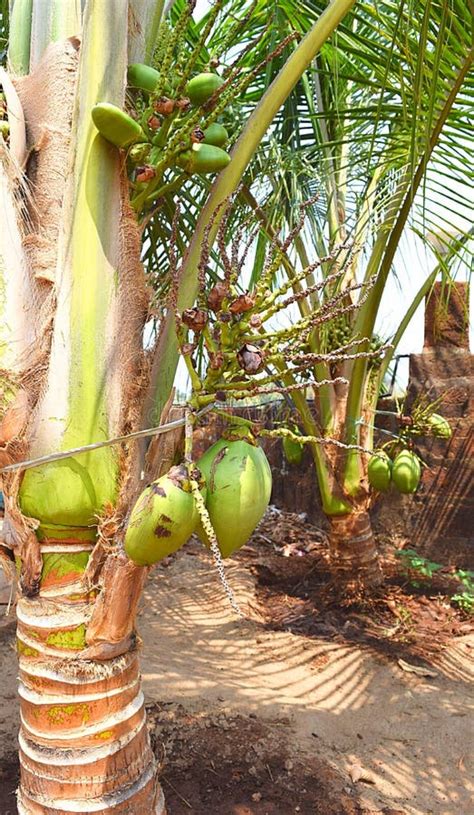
[[353, 550], [84, 744]]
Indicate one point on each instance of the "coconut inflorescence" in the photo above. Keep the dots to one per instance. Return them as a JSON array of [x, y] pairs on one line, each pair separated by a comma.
[[170, 126]]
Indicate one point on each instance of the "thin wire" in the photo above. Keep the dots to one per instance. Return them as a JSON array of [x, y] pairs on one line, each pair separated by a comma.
[[74, 451]]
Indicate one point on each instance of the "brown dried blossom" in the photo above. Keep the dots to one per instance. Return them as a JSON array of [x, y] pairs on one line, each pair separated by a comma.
[[164, 106], [250, 358], [194, 318], [242, 303], [154, 123], [145, 173], [217, 296], [183, 104], [197, 136], [255, 321], [216, 360]]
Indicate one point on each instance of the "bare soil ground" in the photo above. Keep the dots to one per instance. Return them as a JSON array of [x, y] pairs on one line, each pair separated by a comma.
[[311, 704]]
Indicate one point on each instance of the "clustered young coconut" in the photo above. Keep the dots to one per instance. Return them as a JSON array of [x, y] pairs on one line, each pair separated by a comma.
[[173, 127]]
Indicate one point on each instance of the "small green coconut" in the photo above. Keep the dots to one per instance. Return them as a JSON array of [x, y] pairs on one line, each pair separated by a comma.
[[163, 518], [239, 484], [216, 134], [439, 426], [379, 471], [116, 126], [203, 158], [201, 87], [142, 76], [406, 472]]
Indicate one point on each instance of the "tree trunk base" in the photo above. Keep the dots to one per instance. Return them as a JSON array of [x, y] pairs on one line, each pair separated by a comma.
[[84, 745], [353, 551]]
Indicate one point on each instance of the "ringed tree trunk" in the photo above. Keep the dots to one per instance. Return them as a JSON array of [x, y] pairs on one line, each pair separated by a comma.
[[353, 550], [83, 739], [345, 499]]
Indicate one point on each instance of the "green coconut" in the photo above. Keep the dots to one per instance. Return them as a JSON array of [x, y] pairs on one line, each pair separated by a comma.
[[142, 76], [203, 158], [406, 472], [116, 126], [163, 518], [439, 426], [201, 87], [379, 471], [216, 134], [239, 484]]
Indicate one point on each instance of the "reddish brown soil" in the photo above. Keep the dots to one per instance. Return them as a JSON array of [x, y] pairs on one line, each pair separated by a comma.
[[236, 765], [409, 617]]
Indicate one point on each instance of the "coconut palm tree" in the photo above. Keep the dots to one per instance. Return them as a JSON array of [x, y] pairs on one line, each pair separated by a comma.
[[74, 373], [373, 129]]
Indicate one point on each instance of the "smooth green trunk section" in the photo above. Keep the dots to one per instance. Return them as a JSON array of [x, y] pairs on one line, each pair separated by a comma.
[[20, 36], [53, 20], [66, 533], [73, 491], [166, 357]]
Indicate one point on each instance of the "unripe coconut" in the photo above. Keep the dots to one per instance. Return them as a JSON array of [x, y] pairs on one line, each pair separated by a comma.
[[216, 134], [239, 484], [201, 87], [406, 472], [142, 76], [379, 471], [203, 158], [163, 518], [439, 426], [116, 126]]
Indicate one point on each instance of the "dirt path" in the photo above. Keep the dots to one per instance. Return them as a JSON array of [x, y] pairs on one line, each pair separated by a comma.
[[412, 734], [288, 701]]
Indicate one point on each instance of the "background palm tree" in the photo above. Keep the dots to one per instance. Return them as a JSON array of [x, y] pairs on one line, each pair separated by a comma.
[[373, 129]]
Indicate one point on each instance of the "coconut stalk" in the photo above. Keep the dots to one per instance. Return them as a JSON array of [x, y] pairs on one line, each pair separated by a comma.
[[83, 740]]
